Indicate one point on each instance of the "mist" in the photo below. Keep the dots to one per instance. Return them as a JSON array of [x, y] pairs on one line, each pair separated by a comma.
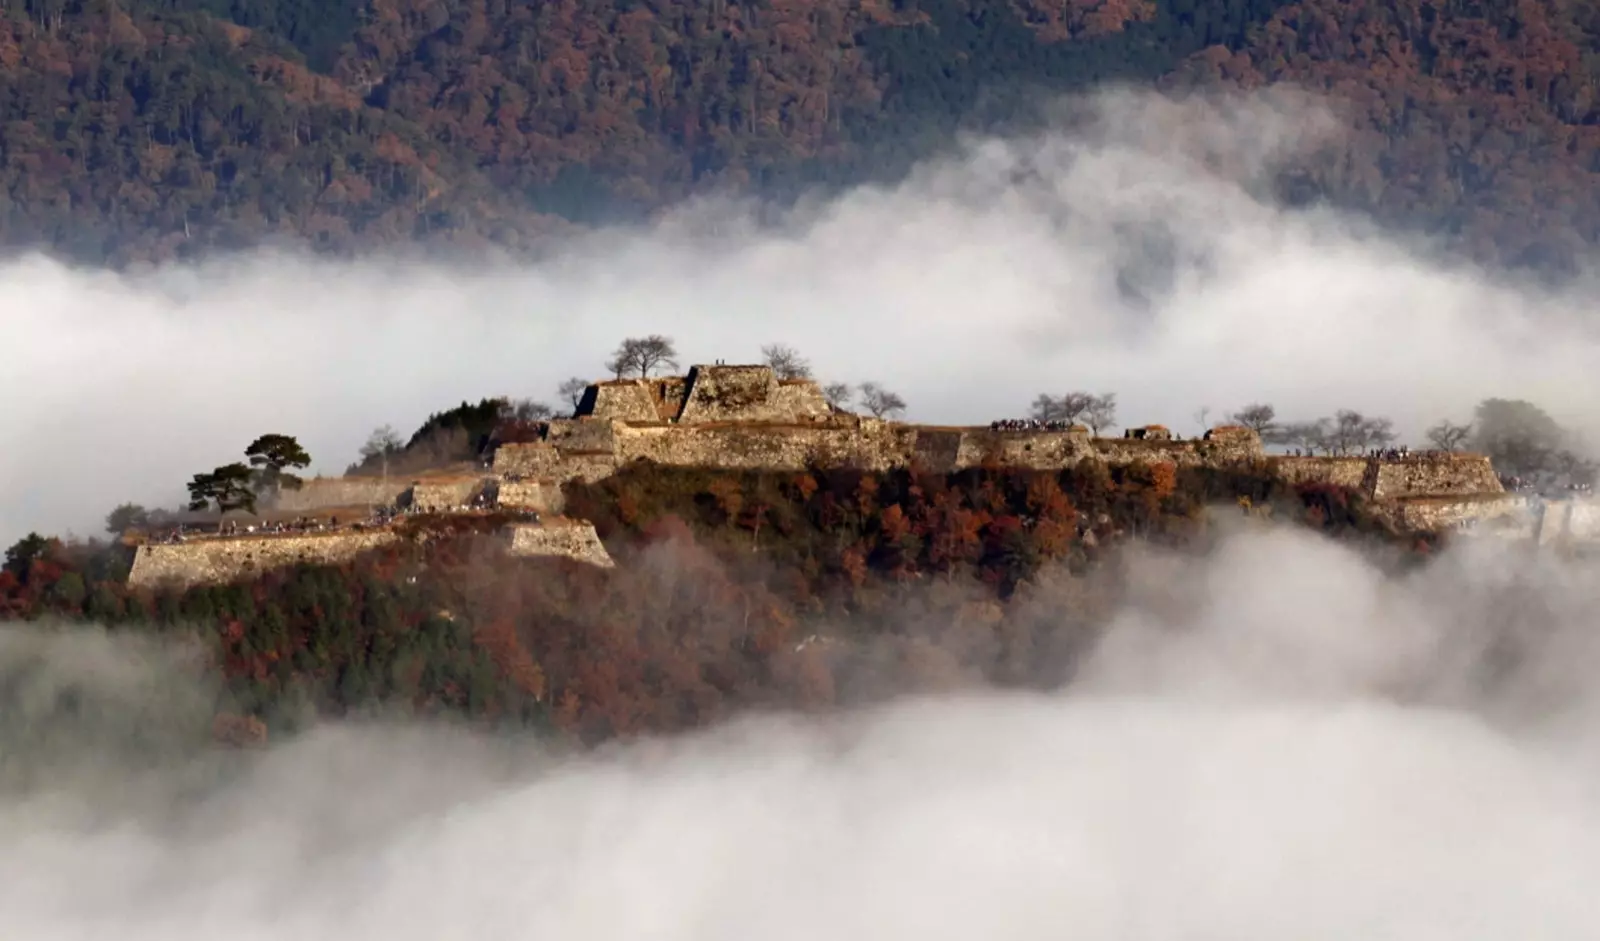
[[1302, 748], [1135, 249]]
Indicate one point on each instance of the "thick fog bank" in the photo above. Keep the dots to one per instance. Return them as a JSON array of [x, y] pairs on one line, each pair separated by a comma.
[[1136, 254], [1301, 748]]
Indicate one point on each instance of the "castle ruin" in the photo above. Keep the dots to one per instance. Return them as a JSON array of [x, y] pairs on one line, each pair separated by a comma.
[[746, 417]]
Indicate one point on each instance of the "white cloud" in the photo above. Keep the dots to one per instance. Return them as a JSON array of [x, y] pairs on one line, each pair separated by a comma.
[[1284, 757]]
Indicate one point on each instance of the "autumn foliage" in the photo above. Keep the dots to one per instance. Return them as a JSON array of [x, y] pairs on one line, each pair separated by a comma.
[[733, 591]]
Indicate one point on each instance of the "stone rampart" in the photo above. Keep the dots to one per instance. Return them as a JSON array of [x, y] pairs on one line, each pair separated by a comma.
[[707, 394], [619, 399], [1440, 476], [222, 560], [1500, 514], [541, 496], [572, 539], [749, 394], [325, 492], [1335, 471], [442, 496], [1571, 521], [871, 445]]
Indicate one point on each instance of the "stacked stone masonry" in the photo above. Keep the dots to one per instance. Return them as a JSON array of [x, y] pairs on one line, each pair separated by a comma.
[[572, 539], [222, 560], [745, 417]]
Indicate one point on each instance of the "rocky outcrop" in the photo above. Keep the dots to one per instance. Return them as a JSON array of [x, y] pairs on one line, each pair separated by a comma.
[[226, 559]]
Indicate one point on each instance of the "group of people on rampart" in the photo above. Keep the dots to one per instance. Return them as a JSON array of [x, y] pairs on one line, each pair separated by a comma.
[[1030, 424]]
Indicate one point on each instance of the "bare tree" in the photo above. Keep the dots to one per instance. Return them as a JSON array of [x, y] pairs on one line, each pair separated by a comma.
[[880, 401], [1202, 417], [1260, 418], [838, 394], [1045, 408], [1351, 431], [1101, 412], [1067, 408], [786, 361], [1449, 436], [527, 410], [1310, 435], [572, 390], [643, 355]]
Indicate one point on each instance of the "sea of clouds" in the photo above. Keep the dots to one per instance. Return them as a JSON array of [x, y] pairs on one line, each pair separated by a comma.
[[1305, 747], [1141, 253]]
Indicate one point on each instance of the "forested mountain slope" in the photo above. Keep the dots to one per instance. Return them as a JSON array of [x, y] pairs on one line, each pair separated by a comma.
[[147, 129]]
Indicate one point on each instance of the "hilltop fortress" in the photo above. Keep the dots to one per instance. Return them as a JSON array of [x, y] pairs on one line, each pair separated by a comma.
[[746, 417]]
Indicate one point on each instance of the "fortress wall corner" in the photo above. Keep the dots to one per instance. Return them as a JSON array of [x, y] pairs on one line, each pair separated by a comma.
[[587, 434], [572, 539], [1422, 476], [218, 561], [801, 400], [732, 393], [1507, 513], [526, 459], [625, 399]]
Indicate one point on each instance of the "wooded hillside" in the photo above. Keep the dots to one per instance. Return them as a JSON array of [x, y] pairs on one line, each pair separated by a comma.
[[148, 129]]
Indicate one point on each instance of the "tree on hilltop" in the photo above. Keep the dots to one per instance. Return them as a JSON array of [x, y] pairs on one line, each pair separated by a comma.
[[643, 355], [1101, 412], [383, 444], [125, 517], [1449, 436], [1068, 408], [1260, 418], [1310, 436], [528, 410], [271, 455], [572, 390], [230, 487], [26, 551], [786, 361], [838, 394], [880, 401]]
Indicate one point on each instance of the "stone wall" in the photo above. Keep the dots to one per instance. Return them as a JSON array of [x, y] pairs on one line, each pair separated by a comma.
[[222, 560], [871, 445], [1422, 476], [1335, 471], [540, 460], [1500, 514], [325, 492], [625, 399], [541, 496], [1565, 522], [584, 434], [442, 496], [572, 539]]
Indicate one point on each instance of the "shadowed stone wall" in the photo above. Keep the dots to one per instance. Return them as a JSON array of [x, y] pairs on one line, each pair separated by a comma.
[[323, 492], [221, 560]]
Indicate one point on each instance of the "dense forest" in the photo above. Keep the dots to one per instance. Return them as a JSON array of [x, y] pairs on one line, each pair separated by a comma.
[[733, 591], [140, 130]]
